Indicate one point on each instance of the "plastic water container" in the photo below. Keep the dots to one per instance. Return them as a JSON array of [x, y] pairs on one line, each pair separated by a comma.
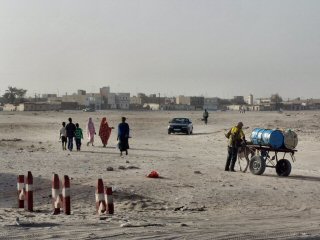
[[267, 137], [290, 139]]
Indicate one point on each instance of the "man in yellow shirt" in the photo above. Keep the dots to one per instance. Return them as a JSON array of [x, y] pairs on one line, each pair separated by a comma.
[[235, 137]]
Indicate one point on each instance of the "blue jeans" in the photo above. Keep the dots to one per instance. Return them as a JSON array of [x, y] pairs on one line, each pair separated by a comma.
[[70, 143]]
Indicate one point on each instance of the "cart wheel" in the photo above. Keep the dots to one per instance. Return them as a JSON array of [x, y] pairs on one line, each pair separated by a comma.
[[244, 156], [283, 168], [257, 165]]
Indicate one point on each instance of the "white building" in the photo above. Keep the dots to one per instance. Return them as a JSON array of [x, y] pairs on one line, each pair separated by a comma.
[[211, 104], [80, 99], [263, 100], [9, 107], [250, 99], [112, 101], [94, 100], [152, 106], [33, 106], [183, 100], [123, 100], [105, 91], [234, 107]]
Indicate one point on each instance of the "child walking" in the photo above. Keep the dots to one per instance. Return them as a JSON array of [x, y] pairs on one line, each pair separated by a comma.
[[79, 136], [63, 136]]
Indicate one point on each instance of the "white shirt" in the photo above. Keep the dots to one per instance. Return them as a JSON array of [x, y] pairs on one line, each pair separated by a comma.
[[63, 132]]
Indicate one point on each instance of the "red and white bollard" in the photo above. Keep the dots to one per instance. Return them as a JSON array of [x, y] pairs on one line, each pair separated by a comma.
[[20, 188], [29, 191], [100, 200], [66, 195], [56, 200], [109, 197]]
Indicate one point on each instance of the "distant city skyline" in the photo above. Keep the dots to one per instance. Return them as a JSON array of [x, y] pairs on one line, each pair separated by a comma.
[[75, 92], [213, 48]]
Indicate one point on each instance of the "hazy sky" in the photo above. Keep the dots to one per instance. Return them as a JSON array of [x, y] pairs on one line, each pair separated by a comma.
[[191, 47]]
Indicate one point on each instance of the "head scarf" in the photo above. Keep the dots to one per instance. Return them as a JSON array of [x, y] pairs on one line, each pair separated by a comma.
[[104, 126], [90, 126], [104, 131]]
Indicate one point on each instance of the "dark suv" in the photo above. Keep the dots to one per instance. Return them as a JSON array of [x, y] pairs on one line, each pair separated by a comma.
[[180, 125]]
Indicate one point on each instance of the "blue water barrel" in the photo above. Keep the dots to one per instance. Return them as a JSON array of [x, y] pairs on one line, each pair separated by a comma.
[[256, 136], [267, 137]]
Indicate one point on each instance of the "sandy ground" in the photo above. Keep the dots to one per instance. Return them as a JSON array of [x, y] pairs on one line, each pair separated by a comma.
[[194, 198]]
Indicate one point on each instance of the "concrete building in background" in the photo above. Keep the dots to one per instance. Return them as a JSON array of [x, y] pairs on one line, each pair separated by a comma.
[[234, 107], [79, 99], [54, 99], [70, 106], [238, 100], [33, 106], [9, 107], [183, 100], [39, 106], [82, 92], [94, 101], [250, 99], [262, 101], [123, 101], [177, 107], [112, 104], [49, 95], [151, 106], [197, 102], [170, 101], [211, 104], [135, 100], [104, 91]]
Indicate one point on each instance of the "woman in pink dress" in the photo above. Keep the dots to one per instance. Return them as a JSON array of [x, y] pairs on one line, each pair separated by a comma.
[[91, 131], [104, 131]]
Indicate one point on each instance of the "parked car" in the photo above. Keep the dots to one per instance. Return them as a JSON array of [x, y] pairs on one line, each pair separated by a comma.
[[88, 110], [180, 125]]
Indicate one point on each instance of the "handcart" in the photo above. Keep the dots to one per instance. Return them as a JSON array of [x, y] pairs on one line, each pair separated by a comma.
[[257, 158]]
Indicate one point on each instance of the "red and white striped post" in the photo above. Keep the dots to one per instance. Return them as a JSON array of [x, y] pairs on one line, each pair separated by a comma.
[[109, 197], [29, 191], [56, 201], [100, 200], [66, 195], [20, 188]]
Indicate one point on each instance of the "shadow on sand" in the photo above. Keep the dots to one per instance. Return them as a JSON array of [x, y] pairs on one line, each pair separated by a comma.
[[35, 225], [97, 152], [150, 150], [296, 177], [206, 133]]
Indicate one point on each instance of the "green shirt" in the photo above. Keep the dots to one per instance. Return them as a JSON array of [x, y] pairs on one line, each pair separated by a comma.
[[78, 133]]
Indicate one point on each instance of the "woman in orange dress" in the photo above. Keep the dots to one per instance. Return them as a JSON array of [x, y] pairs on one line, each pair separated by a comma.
[[104, 131]]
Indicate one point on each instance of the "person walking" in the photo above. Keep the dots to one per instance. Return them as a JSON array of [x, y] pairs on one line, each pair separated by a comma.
[[205, 116], [123, 136], [235, 136], [91, 131], [78, 136], [105, 131], [63, 136], [70, 128]]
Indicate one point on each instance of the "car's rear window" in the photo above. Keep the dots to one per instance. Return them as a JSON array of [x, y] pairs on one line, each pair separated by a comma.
[[179, 120]]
